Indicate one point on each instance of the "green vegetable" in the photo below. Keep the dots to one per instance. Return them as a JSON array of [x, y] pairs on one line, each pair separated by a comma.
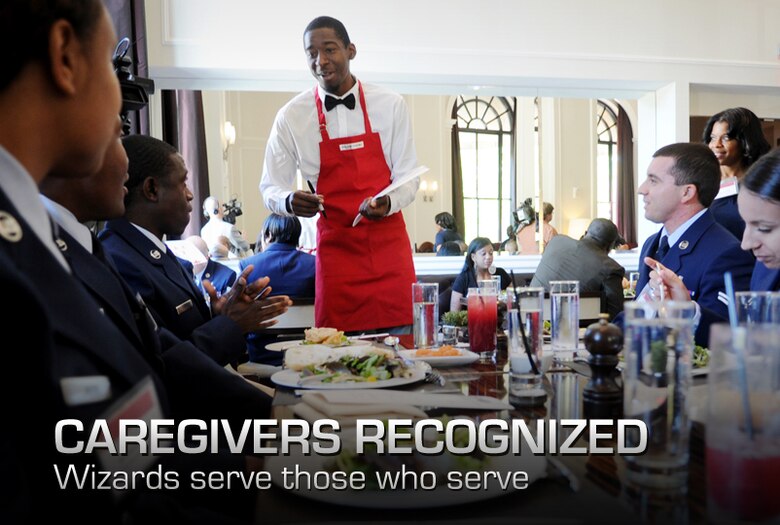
[[459, 318], [658, 356], [701, 357]]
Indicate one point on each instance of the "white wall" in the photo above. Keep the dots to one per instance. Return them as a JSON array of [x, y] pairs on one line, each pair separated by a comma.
[[542, 48], [655, 54]]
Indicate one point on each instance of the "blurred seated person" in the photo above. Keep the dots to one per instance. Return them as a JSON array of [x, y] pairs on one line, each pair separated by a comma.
[[477, 267], [446, 230], [449, 248], [220, 276], [218, 226], [587, 261], [426, 247], [510, 244], [528, 228], [291, 272], [549, 231]]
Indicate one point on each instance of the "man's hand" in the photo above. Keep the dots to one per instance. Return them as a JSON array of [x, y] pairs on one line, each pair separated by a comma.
[[375, 209], [662, 277], [305, 204], [247, 305]]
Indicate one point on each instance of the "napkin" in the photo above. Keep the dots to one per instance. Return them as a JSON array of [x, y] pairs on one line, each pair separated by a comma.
[[316, 405]]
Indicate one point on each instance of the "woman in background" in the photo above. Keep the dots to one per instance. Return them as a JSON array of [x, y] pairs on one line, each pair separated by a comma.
[[735, 137], [479, 261], [446, 230]]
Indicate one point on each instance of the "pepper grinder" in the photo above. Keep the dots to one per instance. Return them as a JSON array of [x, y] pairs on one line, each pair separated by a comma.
[[603, 396]]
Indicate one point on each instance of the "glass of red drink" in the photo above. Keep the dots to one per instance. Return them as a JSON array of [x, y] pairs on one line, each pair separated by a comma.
[[743, 424], [483, 320]]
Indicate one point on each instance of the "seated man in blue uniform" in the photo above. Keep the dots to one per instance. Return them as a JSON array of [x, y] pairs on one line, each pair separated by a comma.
[[158, 204], [682, 181], [290, 270]]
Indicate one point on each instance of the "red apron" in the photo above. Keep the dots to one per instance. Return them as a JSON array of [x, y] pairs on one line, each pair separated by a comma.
[[365, 273]]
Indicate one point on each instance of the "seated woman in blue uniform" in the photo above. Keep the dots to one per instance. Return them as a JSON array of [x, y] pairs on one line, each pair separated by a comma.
[[291, 272], [478, 267], [759, 206], [735, 137]]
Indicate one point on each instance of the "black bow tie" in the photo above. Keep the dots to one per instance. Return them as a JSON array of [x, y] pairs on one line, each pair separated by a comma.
[[332, 102]]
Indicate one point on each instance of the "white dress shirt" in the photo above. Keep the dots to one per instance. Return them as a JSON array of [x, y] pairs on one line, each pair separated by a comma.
[[216, 228], [20, 188], [295, 138]]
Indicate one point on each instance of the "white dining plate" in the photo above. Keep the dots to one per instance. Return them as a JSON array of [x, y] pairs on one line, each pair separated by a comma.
[[291, 379], [440, 496], [465, 357], [700, 371], [281, 346]]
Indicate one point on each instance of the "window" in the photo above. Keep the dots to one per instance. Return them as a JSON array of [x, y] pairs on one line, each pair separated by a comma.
[[485, 128], [606, 161]]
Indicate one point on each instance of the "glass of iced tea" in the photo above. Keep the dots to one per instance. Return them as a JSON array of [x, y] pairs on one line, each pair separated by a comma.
[[743, 424]]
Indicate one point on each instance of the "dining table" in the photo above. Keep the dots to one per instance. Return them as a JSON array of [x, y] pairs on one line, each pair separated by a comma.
[[583, 488]]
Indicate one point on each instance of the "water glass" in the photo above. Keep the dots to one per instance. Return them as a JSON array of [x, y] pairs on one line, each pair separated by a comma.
[[633, 278], [483, 320], [565, 314], [658, 351], [425, 304], [758, 307], [743, 424]]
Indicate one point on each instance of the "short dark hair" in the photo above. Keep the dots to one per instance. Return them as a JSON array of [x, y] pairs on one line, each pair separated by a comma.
[[148, 157], [603, 232], [329, 22], [694, 164], [446, 221], [449, 248], [745, 127], [547, 209], [24, 30], [283, 229], [763, 177]]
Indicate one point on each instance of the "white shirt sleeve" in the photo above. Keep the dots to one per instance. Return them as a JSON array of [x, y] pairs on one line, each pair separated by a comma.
[[279, 167]]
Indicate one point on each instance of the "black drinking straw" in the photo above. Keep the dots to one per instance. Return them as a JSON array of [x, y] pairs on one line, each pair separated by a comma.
[[522, 326]]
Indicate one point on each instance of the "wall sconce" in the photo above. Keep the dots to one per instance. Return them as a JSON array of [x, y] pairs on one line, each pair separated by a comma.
[[229, 131], [429, 189]]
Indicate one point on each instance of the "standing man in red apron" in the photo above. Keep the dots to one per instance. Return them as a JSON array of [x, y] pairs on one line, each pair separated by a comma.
[[350, 140]]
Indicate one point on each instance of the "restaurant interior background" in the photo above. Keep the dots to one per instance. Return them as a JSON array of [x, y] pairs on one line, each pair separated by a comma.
[[665, 63]]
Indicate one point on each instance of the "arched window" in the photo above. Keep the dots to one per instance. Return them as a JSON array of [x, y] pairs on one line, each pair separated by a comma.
[[606, 161], [485, 143]]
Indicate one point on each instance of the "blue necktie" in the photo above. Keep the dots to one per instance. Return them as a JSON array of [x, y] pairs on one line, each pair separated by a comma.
[[663, 248]]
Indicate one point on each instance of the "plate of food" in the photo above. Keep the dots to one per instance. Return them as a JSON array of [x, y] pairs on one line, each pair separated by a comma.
[[700, 361], [448, 474], [442, 356], [318, 336], [325, 368]]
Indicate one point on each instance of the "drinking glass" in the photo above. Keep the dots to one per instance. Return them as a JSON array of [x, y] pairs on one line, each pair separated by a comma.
[[425, 302], [743, 424], [483, 320], [758, 307], [658, 351], [633, 278], [565, 314]]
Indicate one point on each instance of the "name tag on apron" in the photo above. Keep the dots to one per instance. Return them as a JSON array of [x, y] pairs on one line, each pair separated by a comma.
[[351, 146]]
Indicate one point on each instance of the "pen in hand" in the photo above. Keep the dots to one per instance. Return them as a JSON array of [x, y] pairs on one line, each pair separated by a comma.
[[322, 208]]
